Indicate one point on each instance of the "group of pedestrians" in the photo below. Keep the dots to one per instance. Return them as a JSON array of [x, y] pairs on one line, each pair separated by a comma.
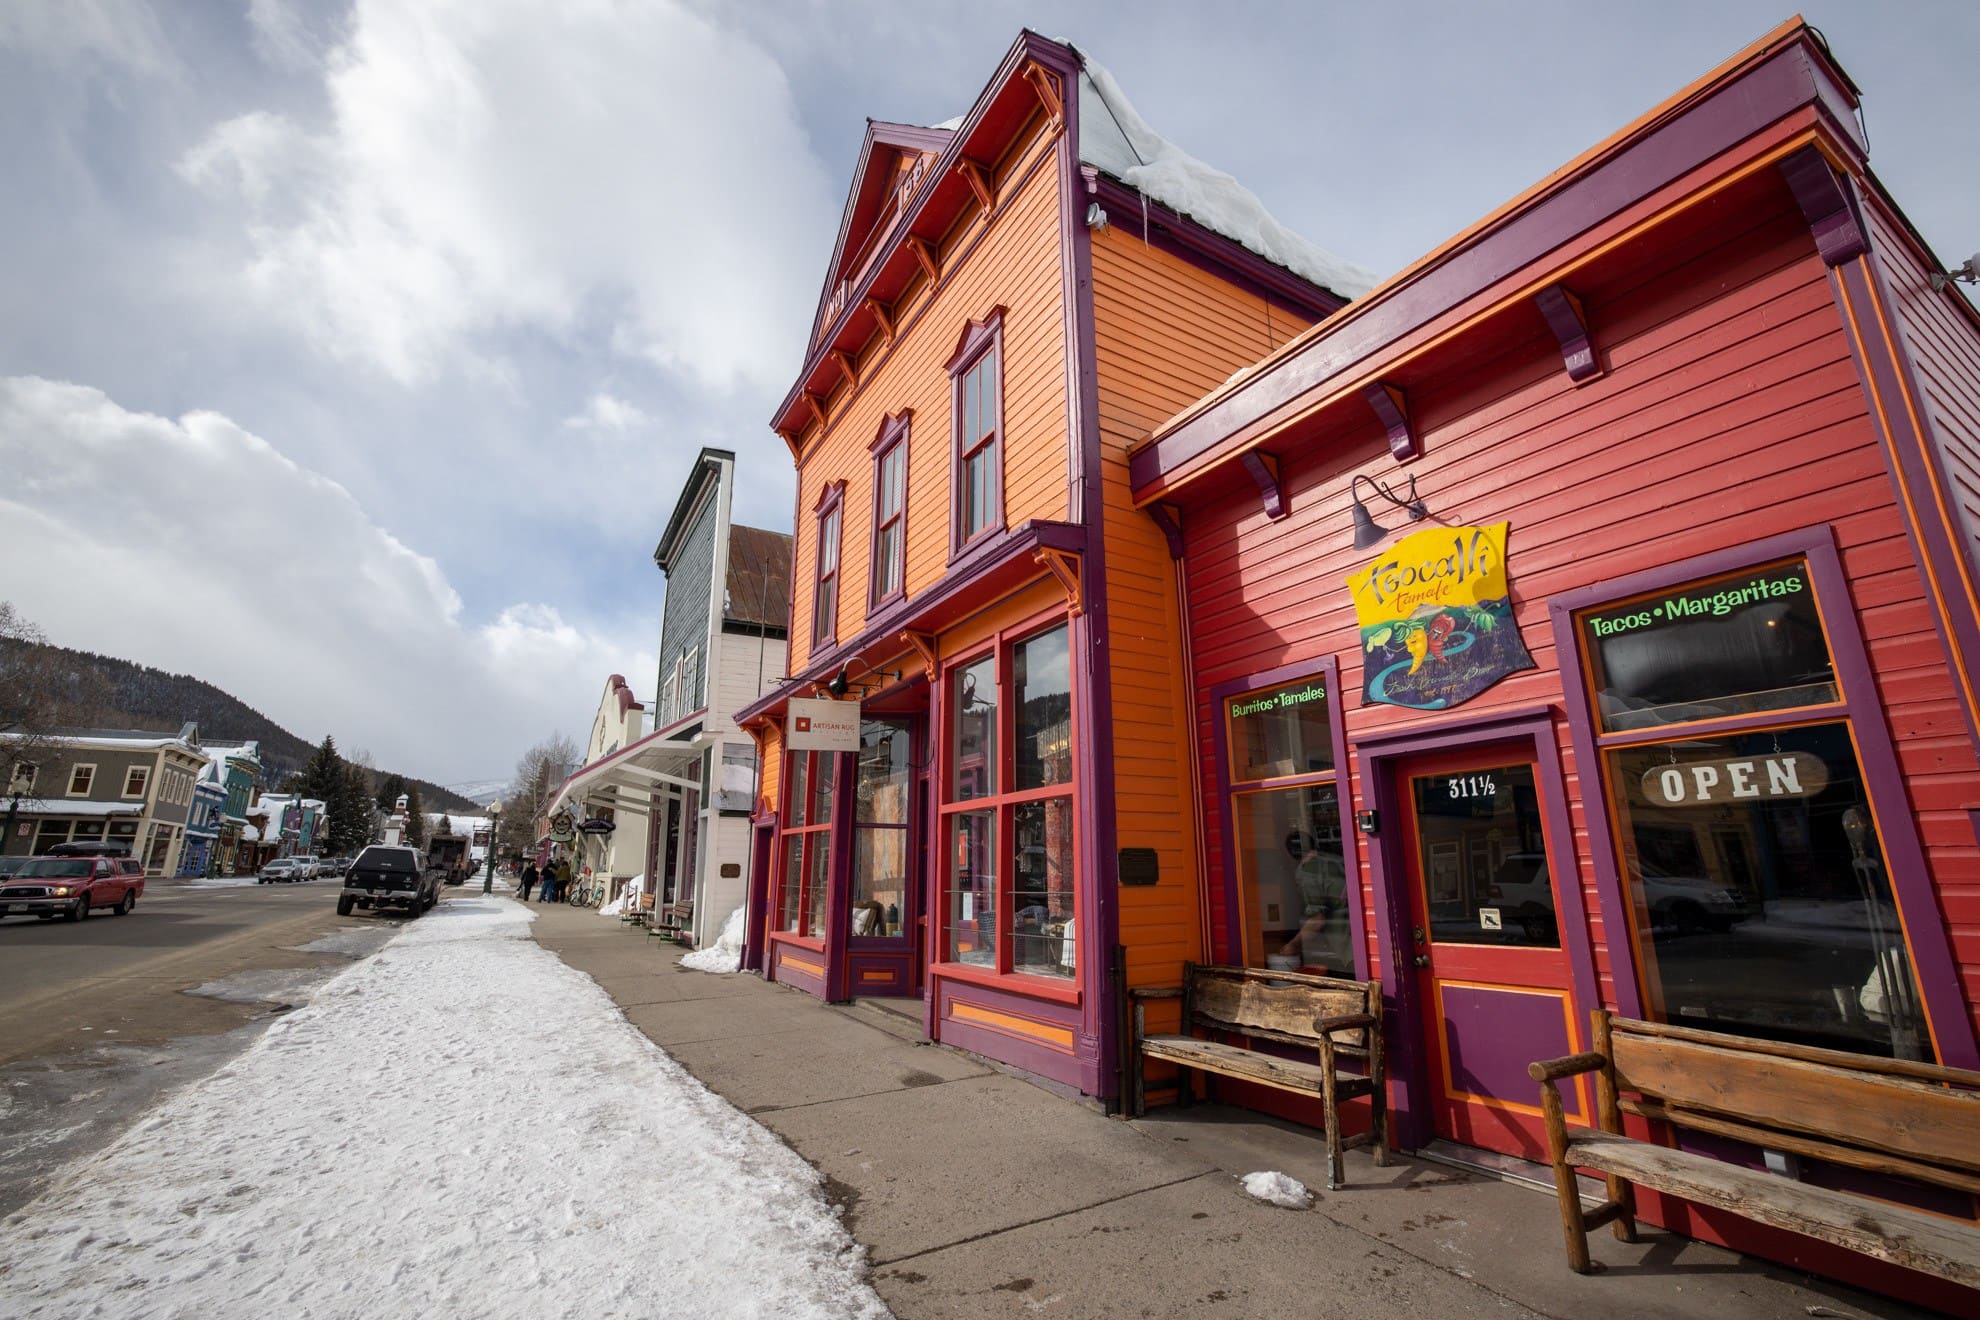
[[555, 879]]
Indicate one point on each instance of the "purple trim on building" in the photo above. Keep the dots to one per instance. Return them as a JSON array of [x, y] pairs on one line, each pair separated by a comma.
[[831, 500], [1024, 1052], [1914, 451], [1828, 204], [762, 855], [1264, 470], [1569, 323], [895, 430], [980, 339], [1168, 517], [1328, 667], [838, 883], [1006, 555], [1230, 261], [1883, 780], [1377, 754], [1792, 78], [1391, 408]]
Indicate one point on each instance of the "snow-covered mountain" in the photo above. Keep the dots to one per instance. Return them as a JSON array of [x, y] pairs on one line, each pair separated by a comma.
[[481, 790]]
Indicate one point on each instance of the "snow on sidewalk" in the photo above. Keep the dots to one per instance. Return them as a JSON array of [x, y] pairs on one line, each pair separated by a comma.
[[329, 1170]]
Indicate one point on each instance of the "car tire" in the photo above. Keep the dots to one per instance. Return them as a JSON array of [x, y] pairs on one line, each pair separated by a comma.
[[126, 903], [343, 906], [79, 911]]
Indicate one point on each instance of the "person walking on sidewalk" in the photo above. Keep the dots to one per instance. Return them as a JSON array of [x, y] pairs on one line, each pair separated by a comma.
[[528, 879]]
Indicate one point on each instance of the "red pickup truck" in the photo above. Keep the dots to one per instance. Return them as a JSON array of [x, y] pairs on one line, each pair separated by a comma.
[[68, 887]]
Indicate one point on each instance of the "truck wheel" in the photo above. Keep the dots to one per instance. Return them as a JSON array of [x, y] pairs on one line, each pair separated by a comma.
[[413, 909], [127, 902], [79, 911], [343, 906]]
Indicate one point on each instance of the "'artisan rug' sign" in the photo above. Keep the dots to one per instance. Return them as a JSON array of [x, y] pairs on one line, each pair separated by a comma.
[[1436, 618]]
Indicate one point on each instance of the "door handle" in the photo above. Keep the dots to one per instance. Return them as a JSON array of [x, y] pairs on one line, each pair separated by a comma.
[[1421, 960]]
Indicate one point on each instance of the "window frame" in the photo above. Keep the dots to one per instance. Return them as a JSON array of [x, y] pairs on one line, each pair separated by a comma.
[[1230, 789], [891, 438], [1859, 708], [142, 773], [830, 508], [980, 339], [1004, 803], [815, 834], [89, 780]]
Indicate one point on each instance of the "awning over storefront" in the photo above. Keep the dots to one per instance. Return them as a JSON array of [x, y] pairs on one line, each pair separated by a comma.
[[625, 779]]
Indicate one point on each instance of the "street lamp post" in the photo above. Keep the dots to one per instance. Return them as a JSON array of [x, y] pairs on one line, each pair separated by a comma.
[[494, 820]]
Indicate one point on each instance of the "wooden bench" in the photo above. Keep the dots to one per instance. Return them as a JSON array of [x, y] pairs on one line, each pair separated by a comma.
[[675, 920], [1334, 1017], [1886, 1116]]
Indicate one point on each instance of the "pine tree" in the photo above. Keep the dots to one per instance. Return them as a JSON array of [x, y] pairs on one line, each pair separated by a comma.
[[445, 827], [323, 774], [351, 811], [388, 792], [415, 818]]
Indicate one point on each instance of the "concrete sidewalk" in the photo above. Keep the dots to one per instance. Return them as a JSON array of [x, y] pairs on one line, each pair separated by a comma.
[[977, 1193]]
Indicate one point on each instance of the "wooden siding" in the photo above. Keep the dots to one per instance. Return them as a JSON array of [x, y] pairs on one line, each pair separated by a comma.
[[1165, 333], [770, 770], [1731, 411], [1013, 261]]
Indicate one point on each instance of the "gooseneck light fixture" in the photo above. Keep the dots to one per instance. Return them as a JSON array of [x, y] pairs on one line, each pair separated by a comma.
[[842, 680], [1366, 530]]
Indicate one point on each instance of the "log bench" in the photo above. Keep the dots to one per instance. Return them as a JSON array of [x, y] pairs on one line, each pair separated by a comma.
[[1334, 1018], [1886, 1116]]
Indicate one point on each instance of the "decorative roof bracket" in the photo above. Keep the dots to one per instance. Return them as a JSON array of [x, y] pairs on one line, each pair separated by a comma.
[[845, 366], [924, 646], [1047, 87], [924, 252], [1168, 517], [1569, 322], [1828, 204], [979, 183], [1063, 565], [884, 315], [1264, 469], [1391, 408]]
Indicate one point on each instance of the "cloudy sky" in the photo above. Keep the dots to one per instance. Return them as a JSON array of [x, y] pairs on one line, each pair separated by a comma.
[[352, 354]]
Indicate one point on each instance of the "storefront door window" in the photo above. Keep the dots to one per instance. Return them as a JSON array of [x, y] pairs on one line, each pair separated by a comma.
[[1761, 903], [1008, 828], [883, 779], [807, 862]]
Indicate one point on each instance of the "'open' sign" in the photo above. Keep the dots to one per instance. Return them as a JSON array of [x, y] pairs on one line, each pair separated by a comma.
[[1736, 779]]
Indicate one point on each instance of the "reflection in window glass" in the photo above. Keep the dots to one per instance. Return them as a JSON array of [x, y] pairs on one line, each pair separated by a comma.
[[817, 870], [1730, 646], [1042, 889], [881, 784], [1281, 731], [972, 896], [800, 762], [973, 774], [824, 779], [1756, 874], [1483, 858], [1041, 673], [787, 909], [1292, 881], [879, 881]]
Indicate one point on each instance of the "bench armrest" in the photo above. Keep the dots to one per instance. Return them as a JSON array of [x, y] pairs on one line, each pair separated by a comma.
[[1158, 992], [1553, 1070], [1342, 1021]]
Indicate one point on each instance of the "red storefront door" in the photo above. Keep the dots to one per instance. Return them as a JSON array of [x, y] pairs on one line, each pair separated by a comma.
[[1493, 981]]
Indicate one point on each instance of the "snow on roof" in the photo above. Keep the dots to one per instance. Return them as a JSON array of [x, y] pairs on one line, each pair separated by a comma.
[[1116, 140], [78, 807]]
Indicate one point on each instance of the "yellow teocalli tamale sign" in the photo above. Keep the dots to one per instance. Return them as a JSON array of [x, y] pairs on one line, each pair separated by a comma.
[[1436, 618]]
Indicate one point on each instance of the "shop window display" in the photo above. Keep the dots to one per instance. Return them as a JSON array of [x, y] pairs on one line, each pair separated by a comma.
[[1761, 901], [807, 843], [881, 784]]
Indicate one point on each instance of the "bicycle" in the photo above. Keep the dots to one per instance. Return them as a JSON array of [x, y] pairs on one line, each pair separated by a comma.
[[585, 893]]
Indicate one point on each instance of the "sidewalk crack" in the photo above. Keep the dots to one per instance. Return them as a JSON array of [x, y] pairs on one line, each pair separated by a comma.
[[1045, 1219]]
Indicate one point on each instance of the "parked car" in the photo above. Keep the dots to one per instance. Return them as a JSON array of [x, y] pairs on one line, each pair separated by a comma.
[[281, 871], [70, 887], [387, 876], [9, 865], [336, 865]]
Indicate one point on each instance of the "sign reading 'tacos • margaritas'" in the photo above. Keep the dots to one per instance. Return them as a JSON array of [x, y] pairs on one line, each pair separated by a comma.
[[1436, 618]]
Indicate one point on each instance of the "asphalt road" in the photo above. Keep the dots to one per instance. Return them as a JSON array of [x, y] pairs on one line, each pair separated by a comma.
[[98, 1017]]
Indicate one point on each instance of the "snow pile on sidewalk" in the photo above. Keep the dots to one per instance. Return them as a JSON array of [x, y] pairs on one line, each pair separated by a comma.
[[628, 894], [1279, 1189], [725, 954], [327, 1172]]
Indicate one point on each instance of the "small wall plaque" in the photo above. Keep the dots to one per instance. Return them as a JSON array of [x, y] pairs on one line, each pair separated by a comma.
[[731, 870], [1140, 866]]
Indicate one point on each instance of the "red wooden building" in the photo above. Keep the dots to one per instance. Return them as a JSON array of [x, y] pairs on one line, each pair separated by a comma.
[[1653, 685]]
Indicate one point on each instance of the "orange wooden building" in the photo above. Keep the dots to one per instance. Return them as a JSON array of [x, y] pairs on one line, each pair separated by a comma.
[[1012, 841]]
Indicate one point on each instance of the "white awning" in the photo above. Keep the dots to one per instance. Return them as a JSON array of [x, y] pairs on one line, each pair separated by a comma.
[[627, 777]]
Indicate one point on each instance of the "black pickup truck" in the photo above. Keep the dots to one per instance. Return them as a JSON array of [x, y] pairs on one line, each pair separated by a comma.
[[384, 876]]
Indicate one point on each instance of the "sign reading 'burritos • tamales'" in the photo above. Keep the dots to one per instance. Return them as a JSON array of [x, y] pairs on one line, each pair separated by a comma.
[[1436, 618]]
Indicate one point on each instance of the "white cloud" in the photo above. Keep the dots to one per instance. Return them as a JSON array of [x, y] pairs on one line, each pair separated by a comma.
[[71, 33], [633, 176], [288, 34], [607, 413], [194, 545]]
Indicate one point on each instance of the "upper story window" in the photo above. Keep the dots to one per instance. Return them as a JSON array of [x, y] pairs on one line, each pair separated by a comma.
[[825, 600], [977, 503], [136, 779], [80, 778], [890, 452], [21, 780]]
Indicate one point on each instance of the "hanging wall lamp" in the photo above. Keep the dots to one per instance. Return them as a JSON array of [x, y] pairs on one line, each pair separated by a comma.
[[1366, 530], [842, 680]]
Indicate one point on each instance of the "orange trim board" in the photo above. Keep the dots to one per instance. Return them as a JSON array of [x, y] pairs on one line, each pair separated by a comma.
[[988, 1017], [816, 969]]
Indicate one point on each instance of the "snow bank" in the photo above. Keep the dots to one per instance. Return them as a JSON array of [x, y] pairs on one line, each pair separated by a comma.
[[1279, 1189], [725, 954], [1118, 141], [628, 895], [328, 1170]]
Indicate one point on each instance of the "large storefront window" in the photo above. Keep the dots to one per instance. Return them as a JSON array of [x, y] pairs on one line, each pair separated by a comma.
[[1008, 828], [1293, 887], [1762, 904], [807, 860], [881, 782]]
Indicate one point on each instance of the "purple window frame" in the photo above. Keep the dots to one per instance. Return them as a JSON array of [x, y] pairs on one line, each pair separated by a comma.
[[979, 340], [891, 437], [829, 509], [1950, 1028], [1327, 669]]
